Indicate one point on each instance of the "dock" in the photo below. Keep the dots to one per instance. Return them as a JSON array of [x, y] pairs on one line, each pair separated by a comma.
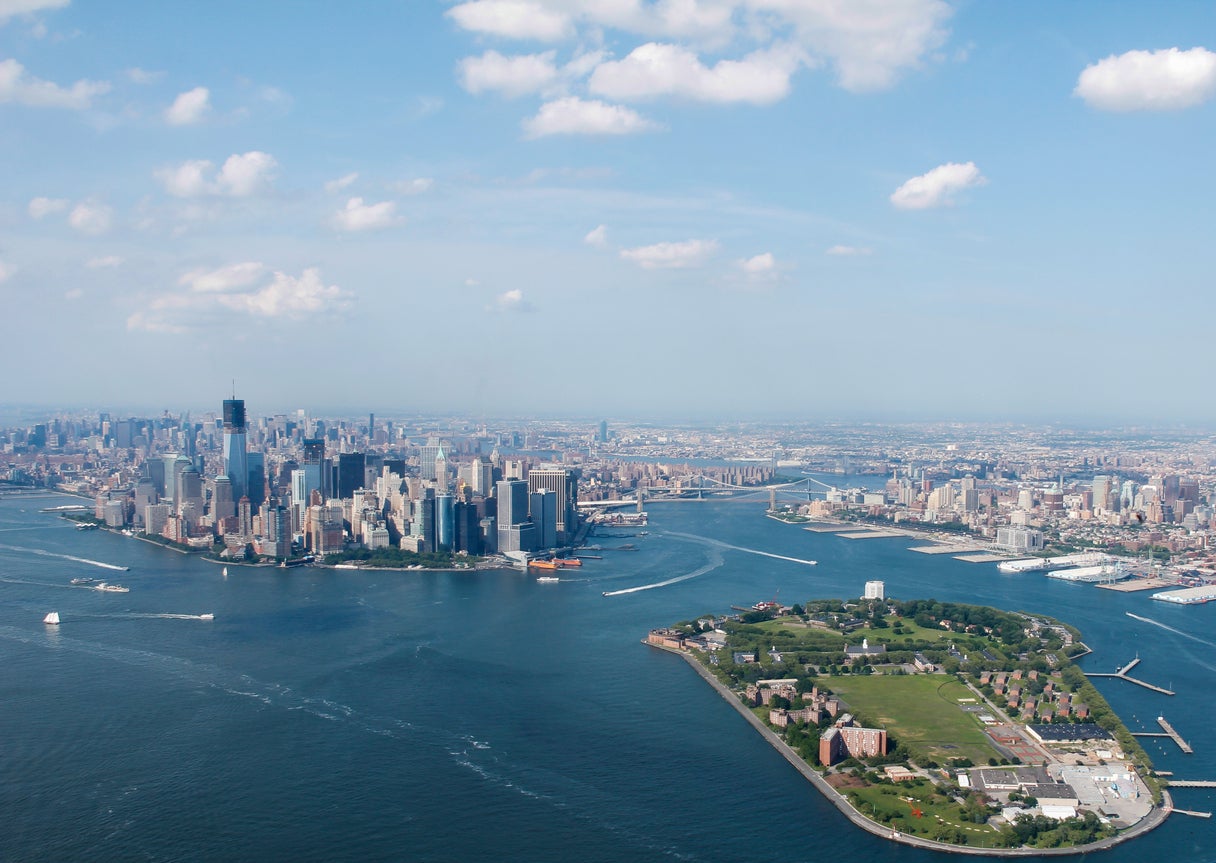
[[1169, 729], [1193, 813], [1192, 783], [1122, 674]]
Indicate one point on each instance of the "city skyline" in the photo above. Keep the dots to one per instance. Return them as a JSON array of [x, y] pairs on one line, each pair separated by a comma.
[[722, 209]]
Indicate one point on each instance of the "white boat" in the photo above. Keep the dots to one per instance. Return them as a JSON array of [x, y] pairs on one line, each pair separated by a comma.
[[82, 580], [225, 572], [548, 579], [51, 619], [111, 588], [206, 617]]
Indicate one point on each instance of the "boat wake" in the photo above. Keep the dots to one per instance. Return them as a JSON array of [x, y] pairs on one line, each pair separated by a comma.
[[716, 560], [45, 553], [715, 542], [1168, 628]]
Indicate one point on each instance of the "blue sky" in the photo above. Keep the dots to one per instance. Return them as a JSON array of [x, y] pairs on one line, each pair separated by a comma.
[[678, 208]]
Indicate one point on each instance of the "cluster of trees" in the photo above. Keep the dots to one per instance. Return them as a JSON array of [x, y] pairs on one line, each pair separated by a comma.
[[928, 613], [1043, 832]]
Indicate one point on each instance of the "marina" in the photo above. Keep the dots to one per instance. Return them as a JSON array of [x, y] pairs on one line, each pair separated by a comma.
[[1122, 675]]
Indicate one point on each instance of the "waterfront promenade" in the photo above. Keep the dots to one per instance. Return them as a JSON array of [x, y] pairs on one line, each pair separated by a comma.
[[1154, 819]]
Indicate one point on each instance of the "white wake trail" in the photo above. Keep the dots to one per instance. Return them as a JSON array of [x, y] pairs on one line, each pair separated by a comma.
[[716, 542], [715, 562]]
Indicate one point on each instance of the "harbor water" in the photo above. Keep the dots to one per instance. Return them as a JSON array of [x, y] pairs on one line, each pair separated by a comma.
[[464, 716]]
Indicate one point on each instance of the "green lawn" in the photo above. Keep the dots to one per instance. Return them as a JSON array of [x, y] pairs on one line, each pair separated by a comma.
[[920, 710], [890, 805]]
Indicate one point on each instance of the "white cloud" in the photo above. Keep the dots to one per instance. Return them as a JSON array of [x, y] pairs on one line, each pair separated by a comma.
[[143, 76], [242, 175], [512, 301], [73, 294], [341, 183], [91, 217], [6, 272], [223, 280], [510, 76], [513, 19], [246, 173], [204, 295], [189, 107], [42, 207], [656, 69], [868, 41], [358, 216], [937, 187], [187, 180], [849, 251], [1165, 80], [9, 8], [671, 256], [17, 86], [574, 116], [105, 262], [416, 186], [760, 265], [597, 237]]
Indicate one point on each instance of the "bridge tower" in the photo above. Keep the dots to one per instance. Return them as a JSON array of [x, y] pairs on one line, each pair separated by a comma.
[[641, 498], [772, 500]]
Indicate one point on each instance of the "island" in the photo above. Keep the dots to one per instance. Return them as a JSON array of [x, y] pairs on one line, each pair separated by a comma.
[[955, 727]]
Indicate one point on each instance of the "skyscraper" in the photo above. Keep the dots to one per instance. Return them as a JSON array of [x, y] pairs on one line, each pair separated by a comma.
[[512, 511], [563, 483], [314, 468], [236, 461]]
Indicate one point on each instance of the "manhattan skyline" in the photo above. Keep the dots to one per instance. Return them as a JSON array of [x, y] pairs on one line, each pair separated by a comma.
[[751, 207]]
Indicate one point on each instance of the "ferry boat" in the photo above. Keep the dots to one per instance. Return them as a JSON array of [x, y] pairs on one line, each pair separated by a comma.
[[544, 564], [206, 616], [82, 580], [567, 561], [111, 588]]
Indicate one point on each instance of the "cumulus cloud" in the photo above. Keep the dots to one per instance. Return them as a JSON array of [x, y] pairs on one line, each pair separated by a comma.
[[242, 175], [247, 288], [358, 216], [574, 116], [341, 183], [849, 251], [656, 69], [189, 107], [142, 76], [512, 301], [1166, 80], [9, 8], [760, 265], [510, 76], [597, 237], [938, 187], [188, 180], [671, 256], [24, 89], [868, 42], [91, 217], [246, 173], [40, 208], [513, 19], [224, 279], [106, 262], [416, 186]]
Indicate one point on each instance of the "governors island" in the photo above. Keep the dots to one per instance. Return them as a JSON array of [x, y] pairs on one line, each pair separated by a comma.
[[954, 727]]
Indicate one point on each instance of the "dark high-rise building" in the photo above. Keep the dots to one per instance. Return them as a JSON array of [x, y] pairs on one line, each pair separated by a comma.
[[563, 483], [604, 431], [512, 512], [236, 461], [350, 473], [468, 531], [257, 479]]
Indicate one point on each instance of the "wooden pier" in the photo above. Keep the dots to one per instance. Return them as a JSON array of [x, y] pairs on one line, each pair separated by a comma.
[[1192, 783]]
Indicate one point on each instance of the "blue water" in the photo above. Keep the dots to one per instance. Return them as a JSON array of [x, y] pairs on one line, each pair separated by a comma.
[[336, 715]]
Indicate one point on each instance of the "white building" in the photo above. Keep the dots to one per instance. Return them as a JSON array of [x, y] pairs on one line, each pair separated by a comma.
[[876, 590]]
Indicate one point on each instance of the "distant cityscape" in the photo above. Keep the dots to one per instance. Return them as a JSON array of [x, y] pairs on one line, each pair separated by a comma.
[[288, 486]]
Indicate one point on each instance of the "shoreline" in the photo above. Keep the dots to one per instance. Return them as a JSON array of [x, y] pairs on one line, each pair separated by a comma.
[[1150, 822]]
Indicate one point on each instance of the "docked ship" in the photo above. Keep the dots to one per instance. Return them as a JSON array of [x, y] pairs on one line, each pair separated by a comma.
[[567, 561], [1107, 572], [544, 564], [111, 588]]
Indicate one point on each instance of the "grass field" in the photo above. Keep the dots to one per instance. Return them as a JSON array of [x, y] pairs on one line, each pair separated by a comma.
[[897, 807], [920, 710]]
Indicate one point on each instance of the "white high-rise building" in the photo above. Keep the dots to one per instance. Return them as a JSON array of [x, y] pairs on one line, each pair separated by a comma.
[[876, 590]]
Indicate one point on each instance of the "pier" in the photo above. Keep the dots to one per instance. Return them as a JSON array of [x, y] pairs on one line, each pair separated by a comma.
[[1192, 783], [1170, 733], [1122, 674]]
